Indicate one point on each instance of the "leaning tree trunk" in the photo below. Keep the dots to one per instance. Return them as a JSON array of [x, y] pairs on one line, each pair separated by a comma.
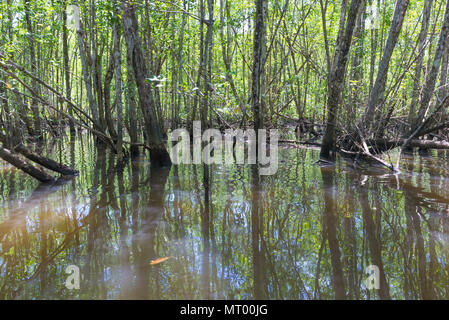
[[419, 62], [377, 94], [43, 161], [444, 74], [17, 162], [86, 74], [158, 152], [429, 85], [336, 79]]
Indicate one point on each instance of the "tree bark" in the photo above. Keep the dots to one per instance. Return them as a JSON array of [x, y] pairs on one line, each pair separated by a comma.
[[132, 109], [107, 96], [65, 49], [15, 160], [158, 152], [258, 75], [377, 94], [118, 90], [419, 62], [33, 65], [43, 161], [429, 85], [86, 74], [336, 79]]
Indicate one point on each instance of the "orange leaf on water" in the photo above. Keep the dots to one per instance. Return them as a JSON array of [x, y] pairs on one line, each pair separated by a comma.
[[157, 261]]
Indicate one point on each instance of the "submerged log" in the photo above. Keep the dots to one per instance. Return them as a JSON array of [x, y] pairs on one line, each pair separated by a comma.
[[43, 161], [16, 161], [46, 162]]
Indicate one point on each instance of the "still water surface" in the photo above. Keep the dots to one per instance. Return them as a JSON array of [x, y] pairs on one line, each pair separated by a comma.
[[307, 232]]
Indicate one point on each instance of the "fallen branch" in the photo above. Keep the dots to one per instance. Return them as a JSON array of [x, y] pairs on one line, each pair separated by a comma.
[[366, 152], [17, 162], [424, 144], [43, 161]]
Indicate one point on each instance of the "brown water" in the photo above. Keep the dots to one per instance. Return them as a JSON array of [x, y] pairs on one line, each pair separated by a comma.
[[307, 232]]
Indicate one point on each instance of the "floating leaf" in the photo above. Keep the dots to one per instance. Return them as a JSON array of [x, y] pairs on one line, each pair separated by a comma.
[[160, 260]]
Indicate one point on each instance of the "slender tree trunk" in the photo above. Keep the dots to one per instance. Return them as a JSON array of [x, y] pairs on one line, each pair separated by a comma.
[[323, 7], [201, 68], [258, 75], [377, 94], [429, 85], [419, 62], [86, 74], [178, 82], [443, 91], [34, 102], [132, 109], [336, 79], [158, 153], [107, 96], [207, 68], [225, 49], [356, 80], [65, 49], [96, 68], [118, 90]]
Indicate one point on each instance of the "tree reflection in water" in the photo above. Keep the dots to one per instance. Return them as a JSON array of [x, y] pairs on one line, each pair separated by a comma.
[[307, 232]]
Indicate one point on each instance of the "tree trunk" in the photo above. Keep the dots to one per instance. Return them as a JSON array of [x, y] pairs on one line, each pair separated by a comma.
[[65, 49], [429, 85], [419, 62], [225, 49], [258, 75], [107, 96], [377, 94], [86, 74], [15, 160], [43, 161], [443, 76], [336, 79], [118, 91], [132, 110], [158, 152], [356, 77], [33, 65]]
